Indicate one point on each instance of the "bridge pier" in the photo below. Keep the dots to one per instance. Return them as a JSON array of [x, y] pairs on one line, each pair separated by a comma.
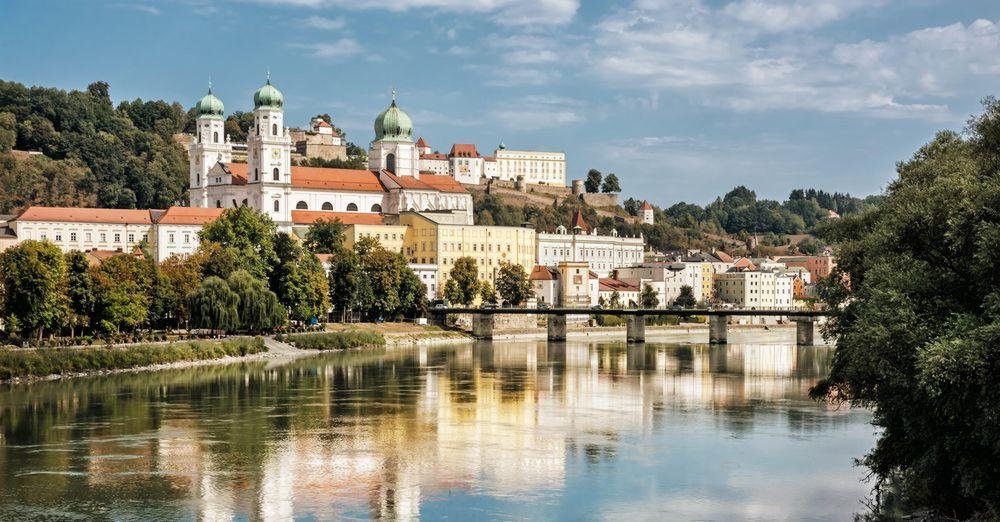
[[635, 328], [805, 331], [718, 329], [436, 319], [482, 326], [556, 327]]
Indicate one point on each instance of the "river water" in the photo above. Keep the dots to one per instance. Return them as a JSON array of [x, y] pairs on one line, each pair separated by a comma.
[[497, 430]]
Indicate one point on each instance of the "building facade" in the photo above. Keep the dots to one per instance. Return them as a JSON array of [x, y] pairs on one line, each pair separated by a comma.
[[603, 253], [537, 167]]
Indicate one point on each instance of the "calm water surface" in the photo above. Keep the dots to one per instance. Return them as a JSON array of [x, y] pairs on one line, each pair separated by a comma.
[[491, 431]]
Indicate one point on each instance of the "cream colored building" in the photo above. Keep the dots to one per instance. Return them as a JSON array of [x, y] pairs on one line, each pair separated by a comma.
[[443, 237], [86, 229], [603, 253], [754, 289], [176, 230], [544, 168]]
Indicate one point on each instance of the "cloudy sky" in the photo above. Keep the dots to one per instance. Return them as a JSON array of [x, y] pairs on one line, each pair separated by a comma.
[[683, 99]]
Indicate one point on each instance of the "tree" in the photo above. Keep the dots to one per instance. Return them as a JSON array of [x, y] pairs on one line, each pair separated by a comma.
[[649, 297], [122, 288], [214, 306], [259, 309], [686, 297], [325, 236], [616, 300], [465, 275], [915, 304], [249, 233], [299, 280], [33, 280], [610, 184], [412, 294], [513, 284], [8, 131], [179, 276], [486, 293], [631, 205], [79, 290], [593, 182], [343, 280]]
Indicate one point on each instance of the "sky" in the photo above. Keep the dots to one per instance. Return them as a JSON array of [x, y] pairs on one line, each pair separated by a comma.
[[682, 99]]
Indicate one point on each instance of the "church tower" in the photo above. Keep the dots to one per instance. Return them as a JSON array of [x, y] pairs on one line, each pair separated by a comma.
[[269, 153], [210, 146], [393, 148]]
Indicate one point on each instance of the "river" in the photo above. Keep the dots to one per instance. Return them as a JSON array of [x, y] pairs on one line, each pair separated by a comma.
[[502, 430]]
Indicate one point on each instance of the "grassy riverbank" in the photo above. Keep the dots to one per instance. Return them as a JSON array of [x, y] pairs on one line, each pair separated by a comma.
[[21, 363], [334, 340]]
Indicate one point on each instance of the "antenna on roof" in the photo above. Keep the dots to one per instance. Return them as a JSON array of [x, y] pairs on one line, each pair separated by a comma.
[[268, 75], [209, 85]]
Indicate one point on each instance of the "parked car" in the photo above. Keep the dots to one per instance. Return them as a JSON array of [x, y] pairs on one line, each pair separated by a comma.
[[440, 303], [489, 306], [543, 306]]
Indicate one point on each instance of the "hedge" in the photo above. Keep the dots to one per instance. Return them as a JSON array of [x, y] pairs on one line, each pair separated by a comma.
[[334, 340]]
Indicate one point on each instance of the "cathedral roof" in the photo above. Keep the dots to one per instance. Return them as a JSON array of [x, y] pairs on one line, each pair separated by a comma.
[[393, 124], [268, 96], [209, 105], [336, 179], [431, 182], [238, 171], [308, 217]]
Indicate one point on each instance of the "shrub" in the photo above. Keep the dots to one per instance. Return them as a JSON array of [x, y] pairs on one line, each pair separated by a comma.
[[335, 340]]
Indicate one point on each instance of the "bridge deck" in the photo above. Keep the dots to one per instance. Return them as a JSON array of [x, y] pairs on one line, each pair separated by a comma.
[[632, 311]]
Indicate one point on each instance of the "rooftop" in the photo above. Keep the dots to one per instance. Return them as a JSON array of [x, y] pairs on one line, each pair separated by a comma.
[[308, 217], [189, 216], [86, 215]]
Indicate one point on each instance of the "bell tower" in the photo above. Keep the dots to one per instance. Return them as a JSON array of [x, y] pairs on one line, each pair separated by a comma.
[[210, 146], [269, 152]]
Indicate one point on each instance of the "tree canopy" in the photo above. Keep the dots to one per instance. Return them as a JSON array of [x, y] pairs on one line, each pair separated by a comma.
[[513, 284], [463, 284]]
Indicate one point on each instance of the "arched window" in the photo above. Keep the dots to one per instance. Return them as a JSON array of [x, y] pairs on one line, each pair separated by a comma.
[[277, 206], [377, 208], [256, 174], [327, 206], [274, 129], [351, 207], [277, 174], [218, 204], [390, 163], [215, 136], [301, 205]]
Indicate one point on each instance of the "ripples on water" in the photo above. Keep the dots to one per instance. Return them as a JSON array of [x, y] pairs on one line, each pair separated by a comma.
[[498, 431]]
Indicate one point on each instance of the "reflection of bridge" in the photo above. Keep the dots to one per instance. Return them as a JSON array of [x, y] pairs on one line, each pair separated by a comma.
[[635, 326]]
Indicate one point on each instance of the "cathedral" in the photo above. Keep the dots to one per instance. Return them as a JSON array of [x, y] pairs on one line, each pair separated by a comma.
[[294, 195]]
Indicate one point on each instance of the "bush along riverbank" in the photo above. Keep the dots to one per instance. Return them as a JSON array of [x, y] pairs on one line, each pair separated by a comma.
[[333, 340], [34, 363]]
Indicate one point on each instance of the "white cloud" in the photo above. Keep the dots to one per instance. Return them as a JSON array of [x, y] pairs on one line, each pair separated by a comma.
[[327, 24], [504, 12], [538, 112], [342, 48], [711, 56], [142, 8]]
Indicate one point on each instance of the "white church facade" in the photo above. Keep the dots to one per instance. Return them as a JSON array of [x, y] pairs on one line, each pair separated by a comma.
[[268, 182]]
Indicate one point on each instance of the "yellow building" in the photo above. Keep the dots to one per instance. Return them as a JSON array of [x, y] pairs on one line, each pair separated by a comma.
[[443, 237], [391, 237]]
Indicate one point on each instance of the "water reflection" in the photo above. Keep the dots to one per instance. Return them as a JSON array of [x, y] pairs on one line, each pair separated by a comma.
[[508, 430]]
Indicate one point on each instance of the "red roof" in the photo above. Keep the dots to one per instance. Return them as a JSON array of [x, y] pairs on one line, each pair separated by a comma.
[[578, 222], [744, 263], [543, 273], [319, 178], [464, 150], [434, 182], [434, 156], [323, 123], [421, 143], [308, 217], [646, 206], [189, 216], [238, 171], [86, 215], [722, 256], [608, 284]]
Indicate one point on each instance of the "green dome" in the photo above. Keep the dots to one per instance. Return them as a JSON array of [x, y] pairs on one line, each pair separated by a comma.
[[209, 105], [268, 96], [393, 124]]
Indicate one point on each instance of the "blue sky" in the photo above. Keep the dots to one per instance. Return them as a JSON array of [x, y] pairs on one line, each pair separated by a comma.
[[683, 99]]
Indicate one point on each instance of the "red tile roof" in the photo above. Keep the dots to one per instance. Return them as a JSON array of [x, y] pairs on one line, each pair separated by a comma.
[[464, 150], [189, 216], [433, 182], [238, 171], [308, 217], [578, 221], [86, 215], [608, 284], [421, 143], [543, 273], [323, 123], [434, 156], [722, 256], [318, 178], [646, 206]]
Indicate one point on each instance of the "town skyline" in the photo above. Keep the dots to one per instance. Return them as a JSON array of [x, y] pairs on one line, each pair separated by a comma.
[[829, 98]]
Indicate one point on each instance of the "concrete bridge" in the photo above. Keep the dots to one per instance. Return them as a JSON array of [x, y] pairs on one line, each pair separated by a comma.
[[635, 320]]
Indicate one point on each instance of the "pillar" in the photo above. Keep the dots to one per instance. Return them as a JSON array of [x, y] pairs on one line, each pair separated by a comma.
[[717, 329], [635, 328], [557, 327], [438, 319], [805, 331], [482, 326]]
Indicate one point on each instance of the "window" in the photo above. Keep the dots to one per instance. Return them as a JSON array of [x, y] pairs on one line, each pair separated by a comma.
[[377, 208], [118, 238], [351, 207], [72, 236], [58, 237], [104, 237], [87, 237], [277, 206], [197, 180], [131, 238], [215, 136], [327, 206], [277, 174], [187, 238], [301, 205], [390, 163], [218, 204], [274, 129], [256, 174], [170, 238]]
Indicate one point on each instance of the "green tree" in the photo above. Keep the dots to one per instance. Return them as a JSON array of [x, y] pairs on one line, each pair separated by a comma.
[[325, 236], [486, 293], [250, 234], [915, 304], [214, 306], [616, 300], [513, 284], [122, 289], [649, 297], [34, 281], [8, 131], [343, 280], [178, 277], [465, 275], [412, 294], [79, 290], [685, 298], [259, 309], [611, 184], [593, 182]]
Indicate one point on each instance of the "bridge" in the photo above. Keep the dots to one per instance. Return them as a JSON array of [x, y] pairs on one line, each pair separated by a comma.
[[635, 323]]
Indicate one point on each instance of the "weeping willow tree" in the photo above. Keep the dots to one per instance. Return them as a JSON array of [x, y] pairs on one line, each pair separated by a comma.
[[214, 305], [259, 309]]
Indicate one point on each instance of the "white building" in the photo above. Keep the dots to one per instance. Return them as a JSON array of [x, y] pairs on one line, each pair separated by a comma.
[[466, 163], [427, 273], [754, 289], [269, 183], [176, 230], [666, 278], [646, 213], [544, 168], [545, 283], [86, 229], [603, 253]]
